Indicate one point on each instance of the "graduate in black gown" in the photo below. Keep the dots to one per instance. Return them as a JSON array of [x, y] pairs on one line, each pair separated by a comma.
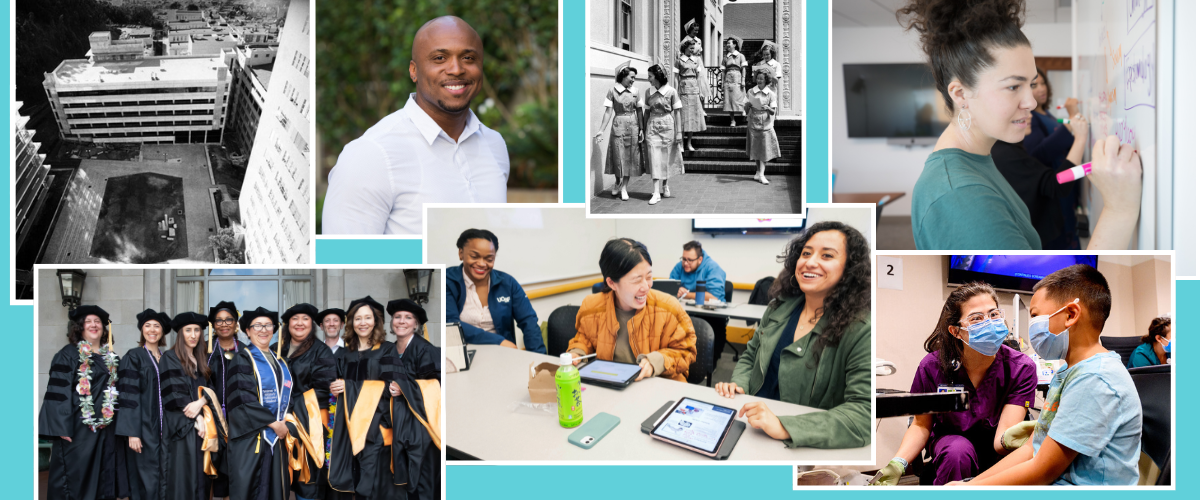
[[86, 462], [139, 417], [413, 372], [313, 369], [259, 394], [184, 374], [360, 451], [224, 320]]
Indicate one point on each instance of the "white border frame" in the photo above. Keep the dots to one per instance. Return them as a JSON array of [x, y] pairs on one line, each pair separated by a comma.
[[585, 161], [37, 405]]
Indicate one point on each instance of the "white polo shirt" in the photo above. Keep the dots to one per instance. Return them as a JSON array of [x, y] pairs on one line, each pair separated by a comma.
[[383, 178]]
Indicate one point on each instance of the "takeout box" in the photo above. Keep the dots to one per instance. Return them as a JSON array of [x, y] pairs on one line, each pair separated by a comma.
[[541, 383]]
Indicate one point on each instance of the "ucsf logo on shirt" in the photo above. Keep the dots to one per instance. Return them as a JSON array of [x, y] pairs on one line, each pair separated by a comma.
[[503, 299]]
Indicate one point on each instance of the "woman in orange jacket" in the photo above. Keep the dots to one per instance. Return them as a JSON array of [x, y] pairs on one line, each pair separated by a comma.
[[628, 322]]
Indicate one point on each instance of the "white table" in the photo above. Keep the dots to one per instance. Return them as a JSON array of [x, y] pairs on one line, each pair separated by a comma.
[[749, 312], [482, 420]]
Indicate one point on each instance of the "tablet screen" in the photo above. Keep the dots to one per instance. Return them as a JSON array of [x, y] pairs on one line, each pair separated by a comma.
[[696, 424], [608, 371]]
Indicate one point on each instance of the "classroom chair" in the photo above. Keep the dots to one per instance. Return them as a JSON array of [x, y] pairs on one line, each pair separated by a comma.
[[701, 369], [561, 329], [1122, 345], [1154, 390]]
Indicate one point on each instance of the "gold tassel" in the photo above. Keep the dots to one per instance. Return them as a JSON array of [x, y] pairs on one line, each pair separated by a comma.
[[279, 346], [210, 338], [110, 348]]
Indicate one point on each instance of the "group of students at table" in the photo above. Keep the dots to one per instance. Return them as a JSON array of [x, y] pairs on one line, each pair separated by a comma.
[[1089, 428], [812, 347], [219, 417]]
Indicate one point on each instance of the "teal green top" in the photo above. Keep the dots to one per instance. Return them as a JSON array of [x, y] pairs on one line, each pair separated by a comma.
[[838, 379], [961, 202]]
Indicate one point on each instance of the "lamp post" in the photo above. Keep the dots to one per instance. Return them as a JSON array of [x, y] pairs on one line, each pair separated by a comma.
[[419, 282], [70, 285]]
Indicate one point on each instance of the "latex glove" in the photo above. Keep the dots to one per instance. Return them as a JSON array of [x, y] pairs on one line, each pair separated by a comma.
[[891, 474], [1016, 435]]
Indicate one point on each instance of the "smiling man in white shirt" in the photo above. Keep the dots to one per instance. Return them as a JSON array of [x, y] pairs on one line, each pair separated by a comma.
[[434, 150]]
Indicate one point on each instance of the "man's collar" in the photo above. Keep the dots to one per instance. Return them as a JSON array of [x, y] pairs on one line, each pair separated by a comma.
[[429, 129]]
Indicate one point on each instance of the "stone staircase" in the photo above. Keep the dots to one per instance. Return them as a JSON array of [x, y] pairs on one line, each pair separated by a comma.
[[722, 149]]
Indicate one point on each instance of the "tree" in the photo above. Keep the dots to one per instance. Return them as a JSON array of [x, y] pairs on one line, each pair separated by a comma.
[[230, 245]]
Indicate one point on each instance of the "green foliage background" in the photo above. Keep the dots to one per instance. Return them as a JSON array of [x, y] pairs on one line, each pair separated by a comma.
[[363, 51]]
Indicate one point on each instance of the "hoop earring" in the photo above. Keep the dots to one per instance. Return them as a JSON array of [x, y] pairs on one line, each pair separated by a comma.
[[964, 121]]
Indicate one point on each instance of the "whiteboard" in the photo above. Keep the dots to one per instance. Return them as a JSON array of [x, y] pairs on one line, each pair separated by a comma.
[[536, 244], [1124, 90]]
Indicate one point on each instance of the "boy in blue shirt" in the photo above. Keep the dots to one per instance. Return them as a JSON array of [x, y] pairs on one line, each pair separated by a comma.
[[1090, 429]]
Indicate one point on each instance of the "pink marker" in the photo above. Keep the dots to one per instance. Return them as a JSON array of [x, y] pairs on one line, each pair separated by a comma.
[[1074, 173]]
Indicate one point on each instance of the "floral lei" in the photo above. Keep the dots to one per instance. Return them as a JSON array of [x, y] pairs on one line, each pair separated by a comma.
[[85, 387]]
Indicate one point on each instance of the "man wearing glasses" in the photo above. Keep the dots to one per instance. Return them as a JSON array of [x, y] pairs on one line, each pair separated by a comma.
[[696, 266]]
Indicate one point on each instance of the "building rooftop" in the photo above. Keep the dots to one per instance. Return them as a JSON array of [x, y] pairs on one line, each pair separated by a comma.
[[186, 68], [263, 73]]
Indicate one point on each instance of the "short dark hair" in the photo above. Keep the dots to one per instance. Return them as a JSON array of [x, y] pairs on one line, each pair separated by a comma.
[[693, 245], [949, 348], [687, 44], [959, 36], [736, 45], [770, 75], [1083, 282], [658, 73], [482, 234], [625, 72], [75, 331], [620, 256]]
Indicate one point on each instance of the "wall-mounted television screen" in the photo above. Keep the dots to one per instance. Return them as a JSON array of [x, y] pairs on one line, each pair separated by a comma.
[[893, 101], [1018, 273], [749, 225]]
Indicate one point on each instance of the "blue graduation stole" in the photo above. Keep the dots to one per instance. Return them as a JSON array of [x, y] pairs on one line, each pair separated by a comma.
[[274, 394]]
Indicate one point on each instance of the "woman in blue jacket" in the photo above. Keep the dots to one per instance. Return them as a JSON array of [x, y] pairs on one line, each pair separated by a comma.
[[1155, 347], [485, 301]]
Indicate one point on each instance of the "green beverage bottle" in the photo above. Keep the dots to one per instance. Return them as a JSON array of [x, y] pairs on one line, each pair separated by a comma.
[[570, 394]]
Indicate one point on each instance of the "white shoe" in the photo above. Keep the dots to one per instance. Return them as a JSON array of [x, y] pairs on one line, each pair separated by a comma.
[[666, 192], [655, 199], [616, 189], [624, 195], [763, 179]]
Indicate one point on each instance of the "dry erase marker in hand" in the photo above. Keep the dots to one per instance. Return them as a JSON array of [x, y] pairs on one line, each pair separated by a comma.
[[1074, 173]]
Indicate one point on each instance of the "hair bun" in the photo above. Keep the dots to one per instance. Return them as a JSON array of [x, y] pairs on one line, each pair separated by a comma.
[[948, 22]]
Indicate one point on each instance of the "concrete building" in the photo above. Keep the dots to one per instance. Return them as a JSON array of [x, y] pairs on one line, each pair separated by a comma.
[[32, 177], [124, 293], [119, 95], [250, 67], [276, 213]]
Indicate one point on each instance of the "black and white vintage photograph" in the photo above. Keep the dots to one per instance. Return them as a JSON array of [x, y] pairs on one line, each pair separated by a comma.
[[139, 124], [174, 383], [695, 106]]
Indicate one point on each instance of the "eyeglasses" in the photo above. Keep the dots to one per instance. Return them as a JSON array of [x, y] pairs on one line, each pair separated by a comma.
[[262, 328], [224, 322], [689, 261], [977, 318]]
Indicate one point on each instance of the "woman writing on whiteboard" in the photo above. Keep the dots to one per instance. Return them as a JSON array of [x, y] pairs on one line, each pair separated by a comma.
[[983, 66]]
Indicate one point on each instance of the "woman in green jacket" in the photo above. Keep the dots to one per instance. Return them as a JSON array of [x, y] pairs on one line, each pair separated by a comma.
[[821, 305]]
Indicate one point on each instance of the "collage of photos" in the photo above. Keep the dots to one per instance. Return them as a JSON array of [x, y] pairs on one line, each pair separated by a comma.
[[429, 249]]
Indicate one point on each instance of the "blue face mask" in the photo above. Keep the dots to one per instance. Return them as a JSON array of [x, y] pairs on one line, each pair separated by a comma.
[[1049, 345], [987, 336]]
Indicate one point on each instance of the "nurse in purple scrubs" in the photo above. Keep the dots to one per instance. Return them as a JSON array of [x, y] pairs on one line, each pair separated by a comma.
[[967, 353]]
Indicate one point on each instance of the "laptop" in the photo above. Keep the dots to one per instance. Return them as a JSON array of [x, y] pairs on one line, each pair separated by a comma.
[[669, 287], [458, 358]]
